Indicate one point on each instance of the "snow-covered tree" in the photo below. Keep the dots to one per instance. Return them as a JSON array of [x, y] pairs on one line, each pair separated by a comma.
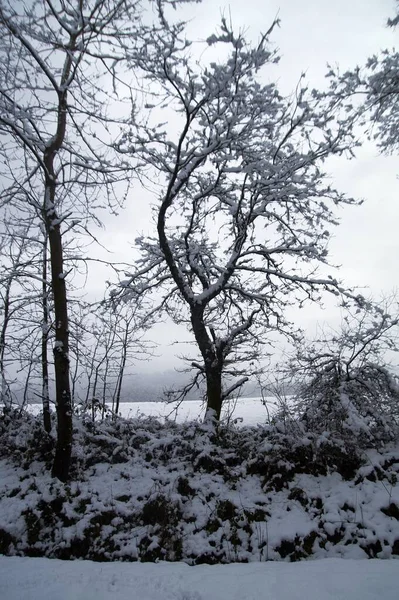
[[48, 116], [243, 209], [61, 95], [368, 95], [23, 298], [15, 299]]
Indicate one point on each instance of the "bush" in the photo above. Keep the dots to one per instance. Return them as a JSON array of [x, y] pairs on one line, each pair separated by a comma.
[[363, 406], [345, 387]]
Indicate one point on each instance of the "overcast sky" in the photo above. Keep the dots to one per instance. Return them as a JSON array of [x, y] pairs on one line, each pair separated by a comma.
[[312, 34]]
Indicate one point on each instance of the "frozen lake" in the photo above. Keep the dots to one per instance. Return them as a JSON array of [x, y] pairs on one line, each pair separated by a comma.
[[247, 411]]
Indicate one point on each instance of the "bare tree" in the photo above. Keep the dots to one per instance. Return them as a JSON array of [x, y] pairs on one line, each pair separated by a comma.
[[243, 207], [59, 72], [131, 346], [20, 253], [9, 304], [114, 341], [27, 325]]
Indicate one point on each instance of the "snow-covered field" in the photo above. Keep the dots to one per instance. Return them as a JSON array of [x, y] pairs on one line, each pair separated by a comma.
[[249, 411], [329, 579]]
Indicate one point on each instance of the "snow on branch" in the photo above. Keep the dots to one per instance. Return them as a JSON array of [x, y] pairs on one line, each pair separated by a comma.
[[243, 209]]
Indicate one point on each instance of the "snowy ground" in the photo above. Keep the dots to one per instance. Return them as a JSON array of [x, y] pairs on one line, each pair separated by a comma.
[[249, 411], [330, 579], [150, 491]]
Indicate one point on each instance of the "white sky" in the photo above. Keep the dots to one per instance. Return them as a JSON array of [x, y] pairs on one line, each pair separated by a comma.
[[312, 34]]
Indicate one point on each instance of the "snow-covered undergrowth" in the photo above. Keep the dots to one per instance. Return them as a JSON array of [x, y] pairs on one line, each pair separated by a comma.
[[142, 490]]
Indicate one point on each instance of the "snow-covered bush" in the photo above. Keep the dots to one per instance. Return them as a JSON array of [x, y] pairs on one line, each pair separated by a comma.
[[23, 438], [365, 405], [143, 490], [344, 384]]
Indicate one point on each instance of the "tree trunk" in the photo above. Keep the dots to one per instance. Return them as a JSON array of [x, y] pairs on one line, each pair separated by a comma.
[[63, 448], [104, 398], [75, 374], [213, 392], [4, 388], [45, 332], [118, 389], [26, 387], [212, 365], [94, 400]]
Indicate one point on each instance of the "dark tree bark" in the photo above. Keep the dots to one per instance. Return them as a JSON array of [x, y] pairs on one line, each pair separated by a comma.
[[4, 390], [213, 391], [63, 449], [45, 335], [213, 364], [118, 389]]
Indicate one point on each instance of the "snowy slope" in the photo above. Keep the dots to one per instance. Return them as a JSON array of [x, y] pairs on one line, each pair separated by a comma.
[[146, 491]]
